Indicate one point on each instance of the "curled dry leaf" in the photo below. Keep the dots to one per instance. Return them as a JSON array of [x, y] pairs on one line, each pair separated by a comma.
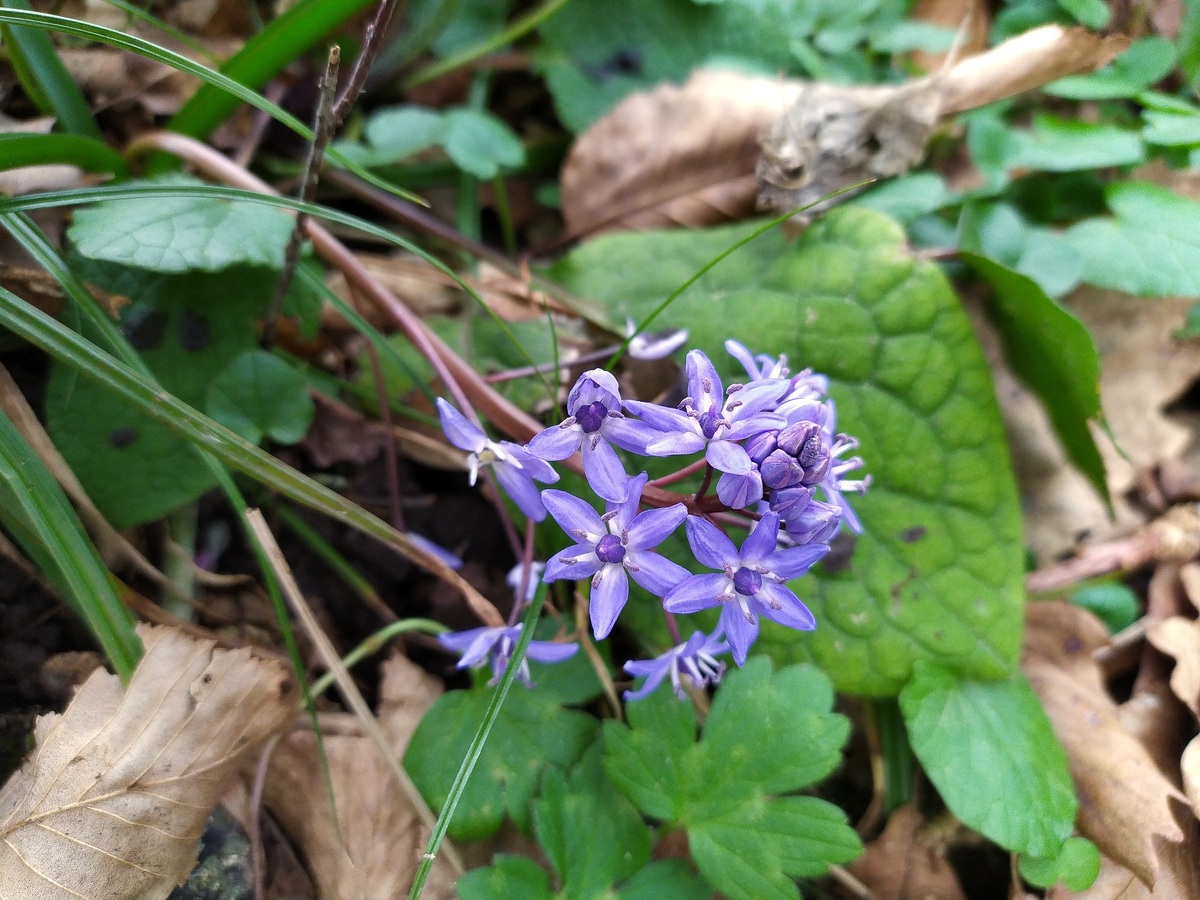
[[114, 800], [373, 850], [1124, 800], [1179, 638], [673, 156], [900, 865]]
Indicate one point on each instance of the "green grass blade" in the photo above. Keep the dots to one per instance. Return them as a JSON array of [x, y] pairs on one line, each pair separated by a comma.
[[262, 58], [35, 511], [45, 78], [87, 153]]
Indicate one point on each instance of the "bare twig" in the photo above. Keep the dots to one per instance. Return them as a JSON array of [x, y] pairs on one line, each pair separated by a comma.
[[372, 42]]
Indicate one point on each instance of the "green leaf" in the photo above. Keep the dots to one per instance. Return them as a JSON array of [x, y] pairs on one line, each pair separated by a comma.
[[591, 834], [87, 153], [508, 876], [1148, 247], [768, 733], [188, 329], [1112, 602], [1171, 129], [999, 232], [531, 733], [188, 234], [672, 878], [594, 58], [481, 144], [396, 133], [1092, 13], [1051, 351], [1076, 866], [259, 394], [980, 741], [1055, 144], [938, 573], [1144, 63], [908, 197]]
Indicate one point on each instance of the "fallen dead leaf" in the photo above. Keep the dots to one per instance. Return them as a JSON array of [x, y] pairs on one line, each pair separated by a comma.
[[1124, 800], [1189, 766], [971, 15], [381, 837], [900, 865], [114, 799], [1179, 638]]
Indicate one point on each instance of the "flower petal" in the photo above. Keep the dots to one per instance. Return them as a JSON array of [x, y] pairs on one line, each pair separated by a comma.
[[573, 564], [676, 444], [742, 428], [742, 354], [520, 487], [556, 442], [725, 456], [574, 516], [655, 572], [629, 434], [652, 527], [660, 418], [704, 384], [779, 604], [740, 631], [603, 469], [795, 561], [474, 645], [655, 671], [697, 593], [463, 433], [537, 469], [550, 651], [763, 539], [610, 590], [710, 545]]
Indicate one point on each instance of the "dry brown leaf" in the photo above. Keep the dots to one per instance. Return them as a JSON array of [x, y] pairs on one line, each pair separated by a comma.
[[969, 15], [1124, 800], [673, 156], [899, 865], [383, 836], [1179, 638], [1189, 765], [113, 802]]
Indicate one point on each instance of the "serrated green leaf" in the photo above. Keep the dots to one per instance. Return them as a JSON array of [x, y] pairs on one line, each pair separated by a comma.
[[672, 878], [1054, 355], [508, 876], [591, 834], [1076, 866], [768, 733], [531, 733], [187, 234], [1148, 247], [259, 394], [938, 573], [594, 58], [1113, 603], [1144, 63], [979, 741]]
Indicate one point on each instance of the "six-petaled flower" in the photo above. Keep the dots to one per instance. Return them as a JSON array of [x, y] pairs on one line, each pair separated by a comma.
[[479, 644], [696, 659]]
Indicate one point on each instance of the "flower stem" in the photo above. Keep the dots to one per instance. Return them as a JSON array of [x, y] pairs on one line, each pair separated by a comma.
[[690, 469], [673, 627], [705, 483]]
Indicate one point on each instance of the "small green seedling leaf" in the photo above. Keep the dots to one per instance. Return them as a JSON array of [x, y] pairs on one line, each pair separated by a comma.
[[979, 741], [769, 733], [259, 394], [481, 144], [1056, 144], [1054, 355], [507, 876], [938, 572], [672, 878], [531, 733], [592, 835], [1114, 604], [188, 234], [1002, 234], [1076, 866], [1148, 247]]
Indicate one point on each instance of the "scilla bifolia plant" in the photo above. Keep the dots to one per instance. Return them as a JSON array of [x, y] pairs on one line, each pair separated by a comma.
[[782, 470]]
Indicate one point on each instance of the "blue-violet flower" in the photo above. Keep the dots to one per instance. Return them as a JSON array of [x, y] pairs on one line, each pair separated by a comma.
[[515, 469], [477, 644], [594, 419], [611, 548], [696, 659], [752, 581]]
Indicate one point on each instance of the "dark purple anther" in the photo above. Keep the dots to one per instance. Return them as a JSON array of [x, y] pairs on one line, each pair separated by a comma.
[[746, 581], [609, 549], [710, 421], [592, 416]]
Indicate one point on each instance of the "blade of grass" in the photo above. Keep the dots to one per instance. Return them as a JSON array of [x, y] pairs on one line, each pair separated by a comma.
[[87, 153], [44, 77], [35, 511]]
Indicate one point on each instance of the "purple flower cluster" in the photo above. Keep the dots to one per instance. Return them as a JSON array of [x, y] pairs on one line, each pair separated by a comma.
[[782, 467]]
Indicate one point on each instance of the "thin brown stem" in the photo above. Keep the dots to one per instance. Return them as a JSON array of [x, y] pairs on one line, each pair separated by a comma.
[[372, 42], [395, 507]]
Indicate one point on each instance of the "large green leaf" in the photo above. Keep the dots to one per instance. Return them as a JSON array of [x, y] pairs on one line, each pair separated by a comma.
[[938, 572], [1149, 247], [992, 754]]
